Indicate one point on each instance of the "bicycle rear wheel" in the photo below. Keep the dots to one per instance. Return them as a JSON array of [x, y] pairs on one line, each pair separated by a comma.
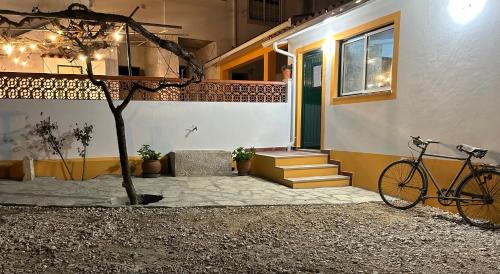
[[478, 208], [400, 184]]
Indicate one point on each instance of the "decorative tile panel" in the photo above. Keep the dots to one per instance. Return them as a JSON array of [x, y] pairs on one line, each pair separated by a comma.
[[78, 87]]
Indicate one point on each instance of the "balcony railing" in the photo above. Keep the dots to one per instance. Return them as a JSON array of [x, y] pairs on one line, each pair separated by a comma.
[[15, 85]]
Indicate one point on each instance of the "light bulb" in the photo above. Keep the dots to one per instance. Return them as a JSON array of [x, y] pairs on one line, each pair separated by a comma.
[[117, 36], [97, 56], [82, 57], [53, 37], [16, 60], [33, 46], [22, 48], [24, 63], [8, 49]]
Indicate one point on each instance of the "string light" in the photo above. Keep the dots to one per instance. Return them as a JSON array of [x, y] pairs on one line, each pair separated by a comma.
[[24, 63], [53, 37], [8, 48], [22, 48], [117, 36], [16, 60], [82, 57], [60, 32], [32, 46], [97, 56]]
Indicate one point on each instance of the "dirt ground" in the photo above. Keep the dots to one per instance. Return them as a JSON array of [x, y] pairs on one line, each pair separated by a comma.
[[347, 238]]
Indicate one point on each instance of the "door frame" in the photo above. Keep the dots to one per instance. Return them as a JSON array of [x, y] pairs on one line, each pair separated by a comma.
[[299, 52]]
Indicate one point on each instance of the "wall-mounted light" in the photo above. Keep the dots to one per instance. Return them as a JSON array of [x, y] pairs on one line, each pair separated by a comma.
[[464, 11]]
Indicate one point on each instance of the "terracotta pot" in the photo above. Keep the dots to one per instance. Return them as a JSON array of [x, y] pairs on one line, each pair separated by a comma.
[[243, 167], [151, 168]]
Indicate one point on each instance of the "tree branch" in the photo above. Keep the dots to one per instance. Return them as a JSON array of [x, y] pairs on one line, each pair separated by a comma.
[[100, 84], [81, 12], [136, 86]]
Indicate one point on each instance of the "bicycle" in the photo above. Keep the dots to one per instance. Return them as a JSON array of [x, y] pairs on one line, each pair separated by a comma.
[[404, 183]]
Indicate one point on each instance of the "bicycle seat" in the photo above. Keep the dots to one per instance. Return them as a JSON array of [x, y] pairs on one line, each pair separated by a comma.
[[474, 151]]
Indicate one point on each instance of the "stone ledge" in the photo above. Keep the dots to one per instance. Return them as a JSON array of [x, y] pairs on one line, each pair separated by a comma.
[[200, 163]]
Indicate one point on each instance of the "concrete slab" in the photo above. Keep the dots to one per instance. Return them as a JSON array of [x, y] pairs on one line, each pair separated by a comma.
[[178, 192]]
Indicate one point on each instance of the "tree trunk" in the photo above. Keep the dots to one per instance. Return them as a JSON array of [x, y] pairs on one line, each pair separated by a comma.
[[122, 147]]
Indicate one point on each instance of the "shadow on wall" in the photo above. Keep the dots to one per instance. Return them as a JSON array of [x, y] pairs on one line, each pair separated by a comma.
[[24, 141]]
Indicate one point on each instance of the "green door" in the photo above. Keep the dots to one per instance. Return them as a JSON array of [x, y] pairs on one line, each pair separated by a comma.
[[311, 99]]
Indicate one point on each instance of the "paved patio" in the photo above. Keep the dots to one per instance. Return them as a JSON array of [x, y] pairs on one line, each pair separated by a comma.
[[177, 192]]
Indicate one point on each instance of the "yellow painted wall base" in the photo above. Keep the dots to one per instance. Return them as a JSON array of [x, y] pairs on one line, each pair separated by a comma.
[[367, 167], [11, 169], [94, 167]]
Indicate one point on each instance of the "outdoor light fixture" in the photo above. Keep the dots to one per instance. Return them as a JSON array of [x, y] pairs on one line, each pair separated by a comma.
[[464, 11]]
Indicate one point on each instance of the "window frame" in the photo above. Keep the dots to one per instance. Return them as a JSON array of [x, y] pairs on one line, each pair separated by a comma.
[[356, 38], [250, 20]]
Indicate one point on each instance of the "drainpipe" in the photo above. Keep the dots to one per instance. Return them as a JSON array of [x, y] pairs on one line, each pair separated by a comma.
[[293, 89]]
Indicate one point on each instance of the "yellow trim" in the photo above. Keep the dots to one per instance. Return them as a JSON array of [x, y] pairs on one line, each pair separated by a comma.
[[393, 18], [94, 167], [249, 57], [298, 118]]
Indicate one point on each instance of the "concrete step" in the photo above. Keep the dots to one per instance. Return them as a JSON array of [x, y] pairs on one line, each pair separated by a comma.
[[291, 158], [295, 171], [317, 181]]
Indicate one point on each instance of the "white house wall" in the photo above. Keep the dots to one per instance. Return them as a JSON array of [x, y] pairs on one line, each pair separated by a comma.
[[448, 81], [164, 125]]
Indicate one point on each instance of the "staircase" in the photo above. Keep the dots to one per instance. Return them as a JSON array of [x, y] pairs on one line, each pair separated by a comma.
[[298, 169]]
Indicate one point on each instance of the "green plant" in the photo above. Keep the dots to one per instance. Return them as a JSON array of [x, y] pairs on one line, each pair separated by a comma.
[[84, 135], [148, 154], [242, 154], [48, 131]]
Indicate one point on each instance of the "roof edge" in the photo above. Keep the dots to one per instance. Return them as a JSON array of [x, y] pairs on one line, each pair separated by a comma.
[[294, 31], [253, 41]]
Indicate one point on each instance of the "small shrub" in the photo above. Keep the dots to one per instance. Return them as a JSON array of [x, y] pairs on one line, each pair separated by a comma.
[[148, 154], [83, 135]]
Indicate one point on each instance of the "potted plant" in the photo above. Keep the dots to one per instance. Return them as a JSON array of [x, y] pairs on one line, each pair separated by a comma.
[[243, 157], [151, 165]]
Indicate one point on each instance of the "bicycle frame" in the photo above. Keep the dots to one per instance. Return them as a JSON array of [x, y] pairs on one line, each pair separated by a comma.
[[448, 191]]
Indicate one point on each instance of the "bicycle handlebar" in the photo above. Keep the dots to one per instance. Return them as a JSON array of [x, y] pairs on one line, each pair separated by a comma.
[[419, 142]]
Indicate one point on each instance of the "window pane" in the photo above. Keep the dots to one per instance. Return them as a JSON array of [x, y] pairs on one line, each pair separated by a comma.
[[353, 63], [379, 60]]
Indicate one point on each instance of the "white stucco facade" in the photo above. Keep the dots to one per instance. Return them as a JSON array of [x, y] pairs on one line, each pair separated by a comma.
[[447, 86], [163, 125]]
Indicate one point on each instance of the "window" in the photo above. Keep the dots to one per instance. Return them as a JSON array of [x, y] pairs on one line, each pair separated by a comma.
[[366, 62], [265, 11]]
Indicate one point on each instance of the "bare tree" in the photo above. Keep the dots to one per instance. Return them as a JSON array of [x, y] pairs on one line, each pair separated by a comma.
[[87, 31]]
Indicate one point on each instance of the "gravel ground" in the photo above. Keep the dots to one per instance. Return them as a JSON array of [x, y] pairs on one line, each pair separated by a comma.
[[347, 238]]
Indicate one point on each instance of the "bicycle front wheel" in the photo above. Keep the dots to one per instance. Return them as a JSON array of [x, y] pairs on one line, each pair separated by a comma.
[[401, 183], [478, 199]]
